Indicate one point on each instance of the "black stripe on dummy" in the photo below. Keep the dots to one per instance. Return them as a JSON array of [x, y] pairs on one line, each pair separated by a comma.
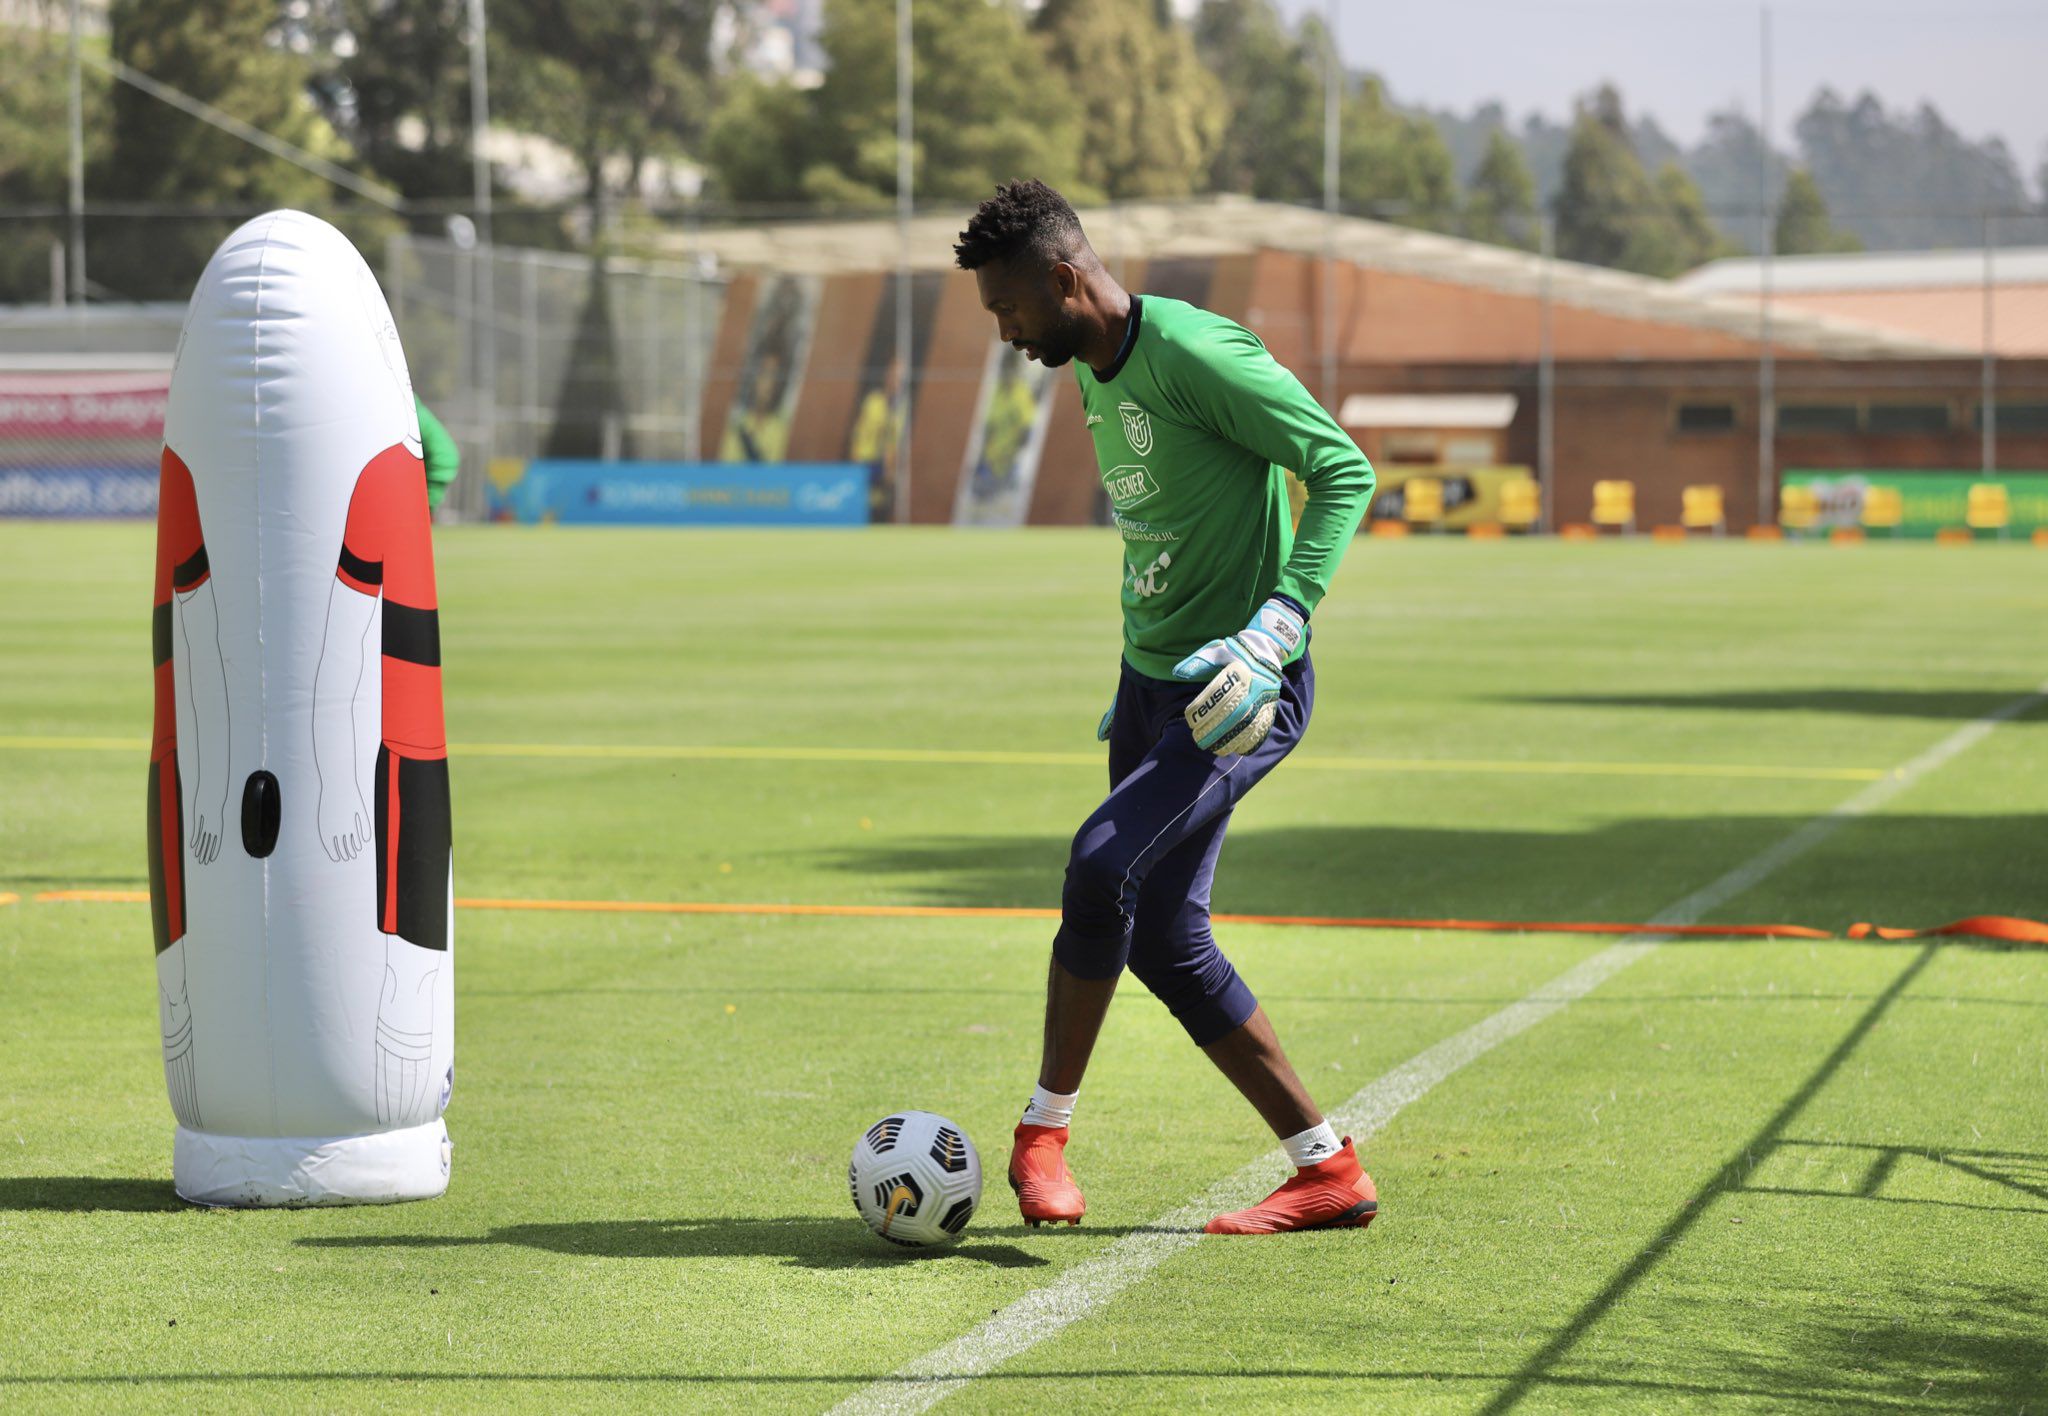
[[190, 572], [160, 634], [167, 930], [422, 847], [412, 635], [360, 570]]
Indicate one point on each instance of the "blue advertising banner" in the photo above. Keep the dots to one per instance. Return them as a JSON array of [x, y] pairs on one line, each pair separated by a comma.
[[78, 491], [680, 493]]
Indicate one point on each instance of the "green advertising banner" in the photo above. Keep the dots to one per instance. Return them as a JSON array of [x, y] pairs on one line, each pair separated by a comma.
[[1928, 501]]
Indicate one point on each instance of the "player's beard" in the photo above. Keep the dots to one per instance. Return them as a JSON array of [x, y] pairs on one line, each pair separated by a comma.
[[1059, 344]]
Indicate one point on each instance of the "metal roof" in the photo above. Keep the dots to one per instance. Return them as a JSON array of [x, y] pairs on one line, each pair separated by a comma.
[[1874, 270], [1216, 226]]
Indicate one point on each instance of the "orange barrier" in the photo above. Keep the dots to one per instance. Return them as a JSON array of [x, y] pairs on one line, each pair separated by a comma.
[[1668, 533], [2005, 927], [1389, 528], [1955, 536], [1846, 536], [2002, 927], [1765, 533], [2041, 536], [1486, 531], [1578, 531]]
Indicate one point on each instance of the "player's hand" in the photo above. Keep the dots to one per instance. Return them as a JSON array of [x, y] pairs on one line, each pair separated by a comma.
[[1234, 712], [344, 825]]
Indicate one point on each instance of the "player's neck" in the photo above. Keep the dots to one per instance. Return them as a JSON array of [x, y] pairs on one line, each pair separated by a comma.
[[1109, 321]]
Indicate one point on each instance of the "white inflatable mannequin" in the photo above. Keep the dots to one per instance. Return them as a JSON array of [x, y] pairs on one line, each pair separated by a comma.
[[298, 790]]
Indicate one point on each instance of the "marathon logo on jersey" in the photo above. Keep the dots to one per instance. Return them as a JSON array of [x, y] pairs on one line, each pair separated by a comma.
[[1128, 486], [1137, 427]]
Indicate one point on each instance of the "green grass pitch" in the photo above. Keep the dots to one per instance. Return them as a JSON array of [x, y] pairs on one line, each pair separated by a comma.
[[1739, 1176]]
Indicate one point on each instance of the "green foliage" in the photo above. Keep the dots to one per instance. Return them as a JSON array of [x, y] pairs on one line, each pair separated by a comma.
[[1610, 212], [1272, 146], [1153, 115], [1906, 180], [988, 108], [409, 65], [1500, 205], [35, 151], [1804, 227], [220, 52], [609, 79], [1394, 165]]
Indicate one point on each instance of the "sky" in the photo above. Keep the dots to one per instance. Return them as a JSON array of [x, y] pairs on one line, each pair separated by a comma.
[[1979, 62]]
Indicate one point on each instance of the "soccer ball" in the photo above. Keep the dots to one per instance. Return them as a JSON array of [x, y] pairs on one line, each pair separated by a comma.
[[916, 1179]]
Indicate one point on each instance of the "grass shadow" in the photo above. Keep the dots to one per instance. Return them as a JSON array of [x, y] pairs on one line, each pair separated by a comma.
[[82, 1194], [801, 1242]]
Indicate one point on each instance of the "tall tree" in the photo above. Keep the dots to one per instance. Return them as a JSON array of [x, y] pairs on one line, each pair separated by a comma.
[[617, 81], [1678, 234], [1734, 175], [1804, 227], [1500, 202], [1907, 180], [218, 51], [989, 107], [1394, 165], [35, 153], [1272, 146], [397, 87], [1605, 193], [1153, 114]]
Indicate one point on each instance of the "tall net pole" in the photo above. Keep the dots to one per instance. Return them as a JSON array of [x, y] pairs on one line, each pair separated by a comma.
[[904, 354], [75, 266], [485, 267], [1987, 393], [1767, 241], [1332, 80]]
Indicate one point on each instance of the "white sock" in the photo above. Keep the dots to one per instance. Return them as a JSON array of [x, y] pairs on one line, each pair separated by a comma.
[[1314, 1144], [1053, 1108]]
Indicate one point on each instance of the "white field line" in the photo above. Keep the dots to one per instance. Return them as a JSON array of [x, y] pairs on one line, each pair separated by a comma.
[[1044, 1312]]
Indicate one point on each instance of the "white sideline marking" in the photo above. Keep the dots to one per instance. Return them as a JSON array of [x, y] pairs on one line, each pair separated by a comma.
[[1042, 1313]]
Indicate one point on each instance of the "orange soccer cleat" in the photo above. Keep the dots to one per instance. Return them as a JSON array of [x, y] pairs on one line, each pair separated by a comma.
[[1045, 1188], [1331, 1194]]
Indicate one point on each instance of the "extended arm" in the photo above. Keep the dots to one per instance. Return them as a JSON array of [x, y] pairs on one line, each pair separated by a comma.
[[338, 731], [1234, 387], [206, 689]]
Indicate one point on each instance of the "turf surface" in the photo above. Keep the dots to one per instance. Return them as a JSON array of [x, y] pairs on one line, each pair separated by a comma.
[[1739, 1176]]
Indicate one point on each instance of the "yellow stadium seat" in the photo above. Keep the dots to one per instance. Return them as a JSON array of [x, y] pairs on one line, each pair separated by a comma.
[[1798, 508], [1614, 505], [1422, 501], [1989, 509], [1884, 509], [1521, 503], [1702, 509]]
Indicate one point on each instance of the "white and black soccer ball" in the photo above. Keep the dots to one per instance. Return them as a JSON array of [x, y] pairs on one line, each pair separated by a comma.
[[916, 1179]]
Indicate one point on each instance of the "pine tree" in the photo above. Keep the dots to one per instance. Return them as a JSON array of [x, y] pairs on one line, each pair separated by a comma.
[[1500, 203], [1804, 227], [1272, 146], [1605, 195], [1394, 165]]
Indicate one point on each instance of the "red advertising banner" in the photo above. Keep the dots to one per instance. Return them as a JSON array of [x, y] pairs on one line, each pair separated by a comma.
[[83, 406]]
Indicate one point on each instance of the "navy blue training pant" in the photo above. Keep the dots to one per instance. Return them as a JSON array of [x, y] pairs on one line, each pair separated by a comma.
[[1138, 879]]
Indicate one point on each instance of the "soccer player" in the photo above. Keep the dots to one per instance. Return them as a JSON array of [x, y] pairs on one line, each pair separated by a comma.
[[1193, 422]]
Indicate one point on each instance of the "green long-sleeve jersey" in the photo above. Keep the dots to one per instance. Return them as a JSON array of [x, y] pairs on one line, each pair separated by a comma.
[[1193, 426]]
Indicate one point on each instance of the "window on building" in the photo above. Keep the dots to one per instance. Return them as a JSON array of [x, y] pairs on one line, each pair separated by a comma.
[[1818, 418], [1909, 417], [1706, 417], [2018, 417]]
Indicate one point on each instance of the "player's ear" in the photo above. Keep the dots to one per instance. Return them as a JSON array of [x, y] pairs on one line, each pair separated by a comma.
[[1066, 280]]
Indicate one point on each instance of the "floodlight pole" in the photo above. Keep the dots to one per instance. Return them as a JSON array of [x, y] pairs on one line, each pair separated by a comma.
[[1332, 74], [1767, 240], [75, 266], [903, 210]]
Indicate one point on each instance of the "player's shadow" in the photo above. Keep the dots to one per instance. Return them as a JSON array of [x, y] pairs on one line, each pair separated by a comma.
[[78, 1194], [1891, 868], [801, 1242], [1946, 705]]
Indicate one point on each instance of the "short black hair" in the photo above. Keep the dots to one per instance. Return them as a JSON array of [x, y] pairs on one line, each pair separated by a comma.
[[1023, 218]]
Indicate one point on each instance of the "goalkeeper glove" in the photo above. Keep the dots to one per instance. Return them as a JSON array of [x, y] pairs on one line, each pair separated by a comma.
[[1233, 714]]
